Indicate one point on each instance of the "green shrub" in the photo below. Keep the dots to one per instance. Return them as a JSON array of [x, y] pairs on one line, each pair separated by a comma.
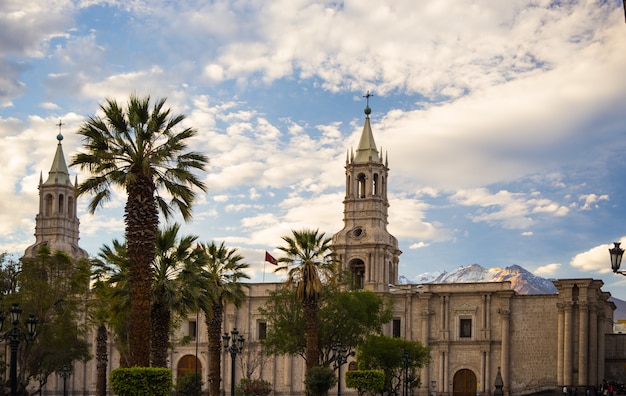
[[253, 387], [366, 381], [319, 380], [141, 381], [189, 385]]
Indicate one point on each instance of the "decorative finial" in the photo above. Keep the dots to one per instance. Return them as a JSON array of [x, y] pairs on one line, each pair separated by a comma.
[[367, 96], [60, 135]]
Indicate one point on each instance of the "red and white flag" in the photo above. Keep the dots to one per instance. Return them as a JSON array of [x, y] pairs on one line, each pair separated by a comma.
[[270, 259]]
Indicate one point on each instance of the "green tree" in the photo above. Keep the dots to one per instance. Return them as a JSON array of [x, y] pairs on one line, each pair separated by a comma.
[[53, 287], [345, 316], [174, 291], [99, 314], [143, 149], [308, 263], [222, 274], [174, 288], [9, 270], [111, 295], [387, 354]]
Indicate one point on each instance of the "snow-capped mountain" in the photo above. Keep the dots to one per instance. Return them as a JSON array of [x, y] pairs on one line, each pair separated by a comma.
[[522, 281]]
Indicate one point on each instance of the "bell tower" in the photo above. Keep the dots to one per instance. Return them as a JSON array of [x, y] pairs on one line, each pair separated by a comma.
[[364, 247], [56, 224]]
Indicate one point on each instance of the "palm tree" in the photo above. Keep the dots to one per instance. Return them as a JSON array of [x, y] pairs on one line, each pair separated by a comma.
[[141, 149], [111, 289], [173, 289], [223, 272], [309, 262]]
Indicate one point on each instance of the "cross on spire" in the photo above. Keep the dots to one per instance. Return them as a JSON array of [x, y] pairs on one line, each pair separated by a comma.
[[60, 135], [367, 98]]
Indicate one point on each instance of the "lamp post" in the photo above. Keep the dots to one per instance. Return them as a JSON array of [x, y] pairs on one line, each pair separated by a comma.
[[433, 385], [339, 356], [65, 371], [616, 258], [15, 336], [235, 347], [102, 363], [406, 358]]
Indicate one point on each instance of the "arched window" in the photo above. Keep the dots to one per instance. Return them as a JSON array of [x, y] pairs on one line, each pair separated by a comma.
[[357, 269], [384, 188], [61, 203], [375, 184], [361, 185], [48, 205], [70, 206]]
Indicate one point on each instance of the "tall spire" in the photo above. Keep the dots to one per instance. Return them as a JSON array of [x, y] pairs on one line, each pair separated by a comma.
[[367, 152], [58, 171]]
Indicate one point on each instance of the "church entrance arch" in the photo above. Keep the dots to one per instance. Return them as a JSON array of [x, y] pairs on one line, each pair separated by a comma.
[[188, 364], [464, 383]]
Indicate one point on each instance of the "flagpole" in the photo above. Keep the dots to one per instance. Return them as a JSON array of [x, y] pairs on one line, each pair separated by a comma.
[[263, 271]]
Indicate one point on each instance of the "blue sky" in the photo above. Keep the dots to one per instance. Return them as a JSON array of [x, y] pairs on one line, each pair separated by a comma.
[[503, 122]]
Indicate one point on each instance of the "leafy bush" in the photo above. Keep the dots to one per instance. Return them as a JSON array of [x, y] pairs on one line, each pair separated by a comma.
[[366, 381], [319, 380], [189, 385], [141, 381], [253, 387]]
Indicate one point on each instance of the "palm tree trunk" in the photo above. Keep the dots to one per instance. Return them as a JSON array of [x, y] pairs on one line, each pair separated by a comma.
[[214, 329], [142, 221], [160, 335], [101, 348], [311, 309]]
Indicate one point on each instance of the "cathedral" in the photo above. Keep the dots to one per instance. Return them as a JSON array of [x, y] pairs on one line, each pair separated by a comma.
[[478, 333]]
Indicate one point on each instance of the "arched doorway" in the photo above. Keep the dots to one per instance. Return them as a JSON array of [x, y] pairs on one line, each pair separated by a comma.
[[464, 383], [186, 366]]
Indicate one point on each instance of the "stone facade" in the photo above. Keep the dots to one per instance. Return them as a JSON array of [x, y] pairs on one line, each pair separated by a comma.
[[536, 343]]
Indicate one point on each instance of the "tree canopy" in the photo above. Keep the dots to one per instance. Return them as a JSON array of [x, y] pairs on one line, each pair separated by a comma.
[[347, 317], [388, 355], [52, 287]]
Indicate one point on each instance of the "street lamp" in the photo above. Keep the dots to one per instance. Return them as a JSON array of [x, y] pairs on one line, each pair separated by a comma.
[[433, 384], [235, 348], [15, 336], [340, 356], [406, 358], [616, 258], [65, 371], [103, 359]]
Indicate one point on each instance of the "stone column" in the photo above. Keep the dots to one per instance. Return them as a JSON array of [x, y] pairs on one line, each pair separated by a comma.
[[505, 314], [583, 343], [567, 343], [424, 339], [601, 332], [593, 345], [560, 342]]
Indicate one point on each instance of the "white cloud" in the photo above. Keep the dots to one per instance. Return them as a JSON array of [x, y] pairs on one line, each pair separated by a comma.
[[590, 201], [548, 270], [511, 210], [419, 245], [596, 259]]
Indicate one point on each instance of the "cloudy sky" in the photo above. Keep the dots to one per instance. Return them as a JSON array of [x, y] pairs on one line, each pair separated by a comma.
[[504, 122]]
